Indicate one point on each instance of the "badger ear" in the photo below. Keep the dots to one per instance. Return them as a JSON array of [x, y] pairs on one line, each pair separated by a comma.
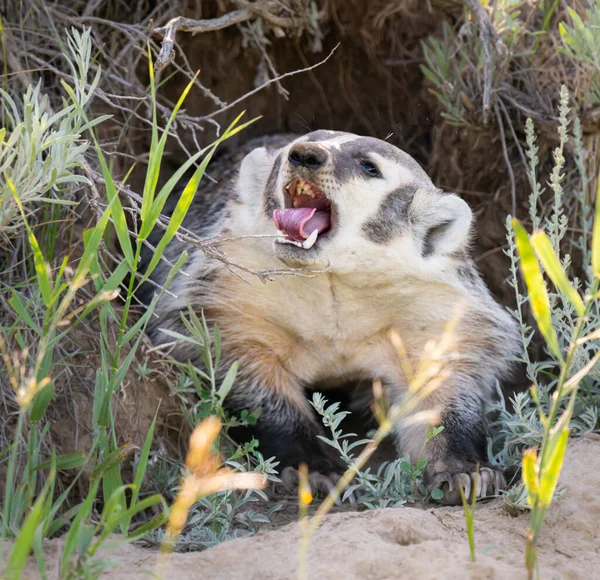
[[257, 170], [447, 226], [257, 163]]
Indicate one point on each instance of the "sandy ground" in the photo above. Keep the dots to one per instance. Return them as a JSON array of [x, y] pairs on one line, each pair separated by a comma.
[[404, 543]]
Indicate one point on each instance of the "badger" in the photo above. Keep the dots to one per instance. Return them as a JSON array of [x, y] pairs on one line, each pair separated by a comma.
[[387, 251]]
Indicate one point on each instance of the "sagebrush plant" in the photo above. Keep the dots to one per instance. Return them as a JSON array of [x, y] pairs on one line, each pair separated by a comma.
[[565, 391], [42, 151], [581, 38], [522, 427], [393, 484]]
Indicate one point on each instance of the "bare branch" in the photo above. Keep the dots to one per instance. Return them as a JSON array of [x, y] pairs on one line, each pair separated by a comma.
[[269, 82], [170, 30], [265, 10]]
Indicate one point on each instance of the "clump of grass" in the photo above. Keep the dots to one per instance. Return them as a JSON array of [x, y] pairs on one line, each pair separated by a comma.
[[33, 509], [202, 392]]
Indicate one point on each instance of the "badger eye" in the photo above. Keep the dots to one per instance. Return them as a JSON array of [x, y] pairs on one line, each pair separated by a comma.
[[370, 168]]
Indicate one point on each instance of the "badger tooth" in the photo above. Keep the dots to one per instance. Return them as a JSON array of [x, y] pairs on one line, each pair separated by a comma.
[[310, 241]]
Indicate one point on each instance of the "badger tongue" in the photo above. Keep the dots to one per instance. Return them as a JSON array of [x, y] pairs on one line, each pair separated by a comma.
[[299, 223]]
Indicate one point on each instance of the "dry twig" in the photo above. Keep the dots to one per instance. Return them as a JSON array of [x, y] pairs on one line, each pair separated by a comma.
[[491, 44], [268, 11]]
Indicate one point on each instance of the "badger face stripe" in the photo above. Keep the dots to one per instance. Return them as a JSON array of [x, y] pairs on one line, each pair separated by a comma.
[[392, 218], [270, 202], [354, 150]]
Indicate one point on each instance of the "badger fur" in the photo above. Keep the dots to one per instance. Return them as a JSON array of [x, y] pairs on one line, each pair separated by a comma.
[[393, 253]]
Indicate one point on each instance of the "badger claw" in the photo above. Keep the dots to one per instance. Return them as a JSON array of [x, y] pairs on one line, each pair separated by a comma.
[[487, 483]]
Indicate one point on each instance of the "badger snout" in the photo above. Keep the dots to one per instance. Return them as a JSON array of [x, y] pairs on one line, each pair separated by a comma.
[[310, 156]]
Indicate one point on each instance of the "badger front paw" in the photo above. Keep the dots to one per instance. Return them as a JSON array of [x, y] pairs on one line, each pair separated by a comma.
[[319, 483], [450, 476]]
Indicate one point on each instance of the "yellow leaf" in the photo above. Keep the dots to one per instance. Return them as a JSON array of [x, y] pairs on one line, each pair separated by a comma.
[[547, 256], [530, 476], [549, 477], [538, 295]]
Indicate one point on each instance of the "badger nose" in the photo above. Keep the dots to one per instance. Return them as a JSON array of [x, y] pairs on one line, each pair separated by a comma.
[[307, 155]]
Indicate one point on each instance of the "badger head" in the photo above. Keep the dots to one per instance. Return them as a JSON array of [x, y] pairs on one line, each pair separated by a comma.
[[341, 201]]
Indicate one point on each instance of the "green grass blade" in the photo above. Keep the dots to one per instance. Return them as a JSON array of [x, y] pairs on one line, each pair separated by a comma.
[[547, 256], [58, 287], [64, 462], [228, 381], [538, 295], [112, 459], [92, 245], [141, 323], [157, 150], [38, 550], [179, 213], [40, 403], [188, 194], [552, 468], [157, 206], [154, 140], [118, 214], [155, 523], [83, 514], [119, 221], [143, 462], [42, 269], [18, 306], [24, 541]]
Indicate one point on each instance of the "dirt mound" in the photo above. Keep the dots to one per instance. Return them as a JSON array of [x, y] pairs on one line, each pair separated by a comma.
[[409, 542]]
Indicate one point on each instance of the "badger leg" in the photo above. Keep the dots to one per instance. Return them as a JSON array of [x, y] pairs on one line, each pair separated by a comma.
[[286, 427], [456, 456]]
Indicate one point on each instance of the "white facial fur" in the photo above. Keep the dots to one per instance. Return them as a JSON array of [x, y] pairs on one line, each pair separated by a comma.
[[358, 199]]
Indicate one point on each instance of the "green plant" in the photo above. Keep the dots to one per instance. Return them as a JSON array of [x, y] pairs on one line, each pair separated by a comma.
[[202, 392], [470, 516], [568, 320], [393, 484], [522, 427], [581, 42], [38, 159]]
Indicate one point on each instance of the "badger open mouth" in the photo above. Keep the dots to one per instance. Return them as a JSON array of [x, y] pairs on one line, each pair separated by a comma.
[[307, 218]]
